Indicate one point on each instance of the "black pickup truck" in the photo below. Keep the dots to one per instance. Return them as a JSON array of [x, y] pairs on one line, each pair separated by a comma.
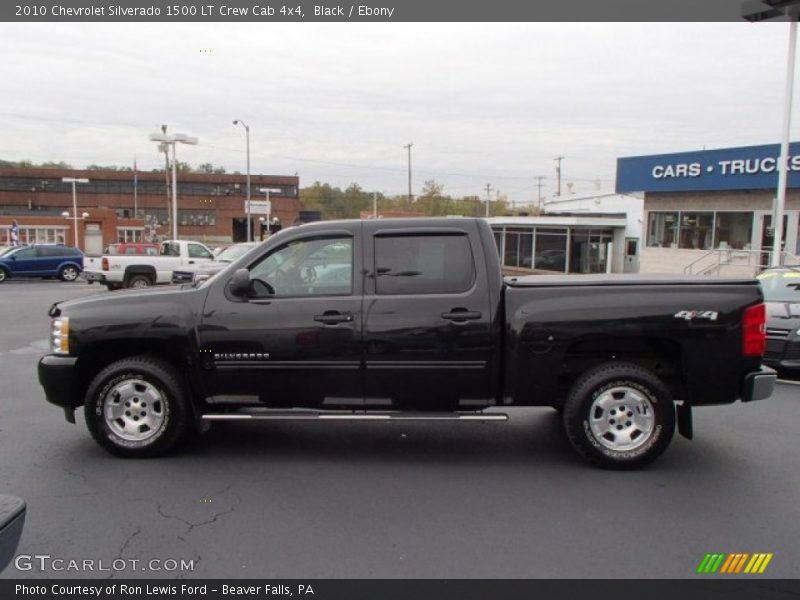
[[406, 319]]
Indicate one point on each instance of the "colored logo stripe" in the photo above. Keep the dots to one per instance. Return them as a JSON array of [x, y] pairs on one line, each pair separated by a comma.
[[734, 563]]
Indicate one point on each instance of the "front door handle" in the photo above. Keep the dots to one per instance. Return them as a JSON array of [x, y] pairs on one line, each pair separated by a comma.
[[461, 315], [332, 317]]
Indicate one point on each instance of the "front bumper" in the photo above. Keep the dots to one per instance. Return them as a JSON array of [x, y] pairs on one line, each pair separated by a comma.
[[759, 385], [58, 375]]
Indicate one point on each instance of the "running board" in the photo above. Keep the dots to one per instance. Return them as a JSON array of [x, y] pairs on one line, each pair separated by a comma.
[[276, 415]]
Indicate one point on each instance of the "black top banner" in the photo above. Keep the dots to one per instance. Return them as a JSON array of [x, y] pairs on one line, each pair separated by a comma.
[[239, 11]]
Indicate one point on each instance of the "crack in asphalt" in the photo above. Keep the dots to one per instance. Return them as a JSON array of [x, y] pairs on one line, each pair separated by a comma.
[[191, 526], [127, 541]]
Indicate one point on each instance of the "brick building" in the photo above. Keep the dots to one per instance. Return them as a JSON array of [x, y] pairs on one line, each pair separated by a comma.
[[210, 206]]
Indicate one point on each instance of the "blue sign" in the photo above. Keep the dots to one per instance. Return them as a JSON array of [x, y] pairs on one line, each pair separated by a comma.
[[745, 168]]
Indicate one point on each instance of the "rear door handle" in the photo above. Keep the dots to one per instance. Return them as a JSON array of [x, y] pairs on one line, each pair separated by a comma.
[[332, 317], [462, 314]]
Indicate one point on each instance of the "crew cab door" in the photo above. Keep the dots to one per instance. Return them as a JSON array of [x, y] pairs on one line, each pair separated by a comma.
[[427, 334], [296, 340]]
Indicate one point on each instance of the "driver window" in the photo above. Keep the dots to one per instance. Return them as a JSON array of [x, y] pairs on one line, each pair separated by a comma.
[[307, 267]]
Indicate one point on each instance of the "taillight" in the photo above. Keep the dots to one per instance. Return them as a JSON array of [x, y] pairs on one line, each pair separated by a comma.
[[105, 264], [754, 331]]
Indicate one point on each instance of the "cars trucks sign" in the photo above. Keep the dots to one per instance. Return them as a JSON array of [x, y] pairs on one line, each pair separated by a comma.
[[744, 168]]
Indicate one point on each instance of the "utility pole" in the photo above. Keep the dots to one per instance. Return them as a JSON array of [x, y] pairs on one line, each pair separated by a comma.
[[408, 147], [488, 198], [165, 149], [539, 185], [374, 205], [558, 160]]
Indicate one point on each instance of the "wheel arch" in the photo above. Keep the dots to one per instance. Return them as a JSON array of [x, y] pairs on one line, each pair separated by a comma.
[[148, 271], [662, 356], [95, 357]]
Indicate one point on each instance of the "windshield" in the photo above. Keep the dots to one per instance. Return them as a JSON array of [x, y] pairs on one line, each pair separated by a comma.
[[780, 286], [231, 253]]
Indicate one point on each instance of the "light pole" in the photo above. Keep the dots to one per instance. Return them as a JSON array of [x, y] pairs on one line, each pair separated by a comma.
[[269, 204], [73, 181], [247, 206], [408, 147], [172, 140], [763, 10]]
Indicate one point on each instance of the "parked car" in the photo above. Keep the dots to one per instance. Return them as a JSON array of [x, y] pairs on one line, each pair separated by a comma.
[[140, 271], [407, 319], [93, 265], [204, 270], [42, 260], [781, 287]]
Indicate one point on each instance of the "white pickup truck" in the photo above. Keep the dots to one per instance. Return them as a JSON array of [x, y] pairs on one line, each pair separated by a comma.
[[139, 271]]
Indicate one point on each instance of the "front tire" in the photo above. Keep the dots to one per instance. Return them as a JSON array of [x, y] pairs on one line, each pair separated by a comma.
[[138, 408], [3, 274], [619, 416]]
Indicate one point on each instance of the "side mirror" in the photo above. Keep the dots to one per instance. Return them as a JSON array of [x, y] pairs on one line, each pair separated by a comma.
[[240, 283], [12, 518]]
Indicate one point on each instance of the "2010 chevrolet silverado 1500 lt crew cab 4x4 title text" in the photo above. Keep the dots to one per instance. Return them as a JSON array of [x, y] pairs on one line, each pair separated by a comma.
[[406, 319]]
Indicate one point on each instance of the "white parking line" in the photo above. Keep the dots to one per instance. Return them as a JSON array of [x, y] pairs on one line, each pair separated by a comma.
[[789, 381]]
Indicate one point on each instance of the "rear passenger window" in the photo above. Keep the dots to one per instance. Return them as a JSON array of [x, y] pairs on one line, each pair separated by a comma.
[[423, 264]]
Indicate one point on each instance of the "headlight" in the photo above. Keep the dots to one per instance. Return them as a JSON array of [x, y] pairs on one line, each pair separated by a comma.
[[60, 335]]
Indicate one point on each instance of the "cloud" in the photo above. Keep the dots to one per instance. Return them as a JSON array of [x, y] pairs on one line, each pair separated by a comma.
[[482, 103]]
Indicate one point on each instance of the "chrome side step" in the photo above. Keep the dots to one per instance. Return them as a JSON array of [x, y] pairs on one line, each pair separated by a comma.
[[294, 415]]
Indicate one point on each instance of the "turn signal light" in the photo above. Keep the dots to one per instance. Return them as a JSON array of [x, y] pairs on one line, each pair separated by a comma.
[[60, 335], [105, 264], [754, 331]]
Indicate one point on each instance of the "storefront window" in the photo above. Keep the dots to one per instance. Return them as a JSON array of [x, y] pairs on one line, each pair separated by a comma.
[[697, 230], [733, 230], [662, 230], [588, 250], [512, 249], [551, 250]]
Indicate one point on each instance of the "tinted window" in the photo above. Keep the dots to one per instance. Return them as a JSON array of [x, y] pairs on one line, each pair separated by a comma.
[[309, 267], [50, 251], [423, 264], [198, 251], [25, 253]]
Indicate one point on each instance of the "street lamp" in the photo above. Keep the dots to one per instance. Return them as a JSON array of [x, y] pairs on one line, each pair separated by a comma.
[[73, 181], [763, 10], [247, 206], [172, 140]]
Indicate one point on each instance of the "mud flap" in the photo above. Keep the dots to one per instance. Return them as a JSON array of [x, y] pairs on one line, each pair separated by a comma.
[[684, 414]]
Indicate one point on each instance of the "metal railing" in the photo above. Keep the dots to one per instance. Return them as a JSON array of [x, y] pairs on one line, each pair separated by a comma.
[[751, 262]]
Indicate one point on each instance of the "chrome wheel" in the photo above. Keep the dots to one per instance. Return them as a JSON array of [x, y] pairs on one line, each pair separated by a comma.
[[621, 418], [69, 273], [2, 275], [134, 410], [139, 284]]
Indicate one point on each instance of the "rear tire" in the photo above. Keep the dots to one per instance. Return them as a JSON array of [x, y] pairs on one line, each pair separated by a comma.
[[138, 408], [619, 416], [139, 282], [68, 273]]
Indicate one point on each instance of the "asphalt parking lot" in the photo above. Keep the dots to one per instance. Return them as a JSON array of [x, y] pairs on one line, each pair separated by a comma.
[[316, 500]]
